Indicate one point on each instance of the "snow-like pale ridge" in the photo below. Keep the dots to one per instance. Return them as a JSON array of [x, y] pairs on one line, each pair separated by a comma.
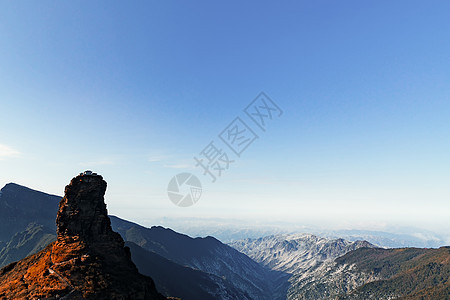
[[310, 261], [292, 253]]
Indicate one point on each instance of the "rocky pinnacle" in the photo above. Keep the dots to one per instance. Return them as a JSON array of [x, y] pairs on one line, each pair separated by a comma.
[[82, 212], [87, 261]]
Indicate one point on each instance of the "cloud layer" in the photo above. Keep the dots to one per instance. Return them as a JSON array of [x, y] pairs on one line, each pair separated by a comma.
[[7, 152]]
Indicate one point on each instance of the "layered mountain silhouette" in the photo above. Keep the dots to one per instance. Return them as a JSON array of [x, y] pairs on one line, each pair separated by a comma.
[[88, 260], [375, 273], [339, 269], [82, 242], [20, 206], [209, 255], [223, 273], [33, 239], [174, 279], [292, 253]]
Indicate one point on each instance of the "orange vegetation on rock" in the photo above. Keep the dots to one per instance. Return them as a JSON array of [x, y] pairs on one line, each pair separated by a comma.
[[87, 261]]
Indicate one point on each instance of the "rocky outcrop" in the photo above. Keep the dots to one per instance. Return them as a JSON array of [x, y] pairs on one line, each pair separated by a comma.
[[88, 260]]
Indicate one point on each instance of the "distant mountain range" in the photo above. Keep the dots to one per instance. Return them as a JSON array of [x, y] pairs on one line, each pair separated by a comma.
[[413, 238], [220, 271], [282, 266], [233, 230], [339, 269], [374, 273], [291, 253], [209, 255]]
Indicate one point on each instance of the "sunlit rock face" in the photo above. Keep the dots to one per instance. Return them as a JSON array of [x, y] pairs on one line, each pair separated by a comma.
[[82, 217], [82, 212], [88, 260]]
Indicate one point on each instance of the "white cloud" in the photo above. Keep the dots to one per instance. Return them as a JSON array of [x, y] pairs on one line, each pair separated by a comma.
[[103, 162], [7, 152], [170, 161], [178, 166], [158, 158]]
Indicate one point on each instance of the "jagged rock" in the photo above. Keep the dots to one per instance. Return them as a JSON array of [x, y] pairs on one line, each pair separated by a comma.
[[88, 260]]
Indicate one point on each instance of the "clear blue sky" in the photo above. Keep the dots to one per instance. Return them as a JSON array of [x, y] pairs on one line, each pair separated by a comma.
[[135, 90]]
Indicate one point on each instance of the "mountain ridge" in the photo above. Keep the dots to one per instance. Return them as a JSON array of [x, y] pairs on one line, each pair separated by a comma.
[[88, 260], [14, 198], [156, 248], [214, 284], [291, 253], [376, 273], [206, 254]]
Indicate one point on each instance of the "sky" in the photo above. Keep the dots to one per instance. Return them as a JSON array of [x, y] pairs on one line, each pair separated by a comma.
[[134, 91]]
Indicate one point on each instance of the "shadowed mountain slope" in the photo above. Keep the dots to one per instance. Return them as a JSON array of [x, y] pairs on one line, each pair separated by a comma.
[[88, 260], [208, 255], [20, 206]]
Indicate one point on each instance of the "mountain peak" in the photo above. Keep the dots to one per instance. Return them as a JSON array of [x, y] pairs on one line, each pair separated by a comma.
[[14, 187], [88, 259], [21, 192], [82, 212]]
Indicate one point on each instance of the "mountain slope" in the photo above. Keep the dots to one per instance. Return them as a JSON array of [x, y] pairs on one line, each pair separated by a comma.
[[173, 279], [407, 273], [225, 273], [204, 268], [206, 254], [292, 253], [87, 261], [33, 239], [20, 206]]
